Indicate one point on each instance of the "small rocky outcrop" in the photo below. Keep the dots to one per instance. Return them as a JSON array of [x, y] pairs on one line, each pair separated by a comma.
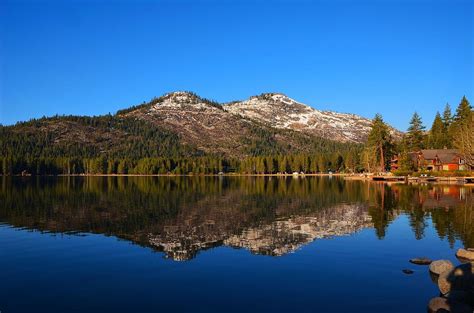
[[465, 255], [456, 286], [440, 266]]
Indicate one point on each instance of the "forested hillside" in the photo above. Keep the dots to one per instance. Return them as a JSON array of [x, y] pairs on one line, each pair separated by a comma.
[[122, 144]]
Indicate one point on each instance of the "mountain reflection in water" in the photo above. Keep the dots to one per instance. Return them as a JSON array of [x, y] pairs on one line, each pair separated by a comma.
[[272, 216]]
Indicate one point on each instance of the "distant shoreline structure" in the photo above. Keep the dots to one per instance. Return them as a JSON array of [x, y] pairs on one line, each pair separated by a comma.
[[461, 180], [183, 175]]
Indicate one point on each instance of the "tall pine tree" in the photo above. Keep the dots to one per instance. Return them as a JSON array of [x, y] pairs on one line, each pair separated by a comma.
[[462, 130], [463, 111], [379, 143], [415, 135], [447, 116], [447, 120], [436, 139]]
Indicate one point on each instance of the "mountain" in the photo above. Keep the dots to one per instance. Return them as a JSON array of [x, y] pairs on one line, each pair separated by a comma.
[[200, 118], [279, 111], [182, 124], [224, 128]]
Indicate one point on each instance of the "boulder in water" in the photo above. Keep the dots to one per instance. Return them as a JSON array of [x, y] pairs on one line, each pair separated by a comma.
[[464, 254], [440, 266], [459, 278], [437, 304]]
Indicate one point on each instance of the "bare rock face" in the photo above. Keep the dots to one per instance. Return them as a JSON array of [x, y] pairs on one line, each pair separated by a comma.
[[440, 266], [231, 129], [280, 111], [464, 254], [268, 124]]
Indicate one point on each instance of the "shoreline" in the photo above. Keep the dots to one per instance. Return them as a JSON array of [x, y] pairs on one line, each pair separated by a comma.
[[180, 175], [461, 180]]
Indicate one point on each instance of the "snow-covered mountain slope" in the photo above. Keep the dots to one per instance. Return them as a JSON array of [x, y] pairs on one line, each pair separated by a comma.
[[280, 111], [265, 124], [184, 124]]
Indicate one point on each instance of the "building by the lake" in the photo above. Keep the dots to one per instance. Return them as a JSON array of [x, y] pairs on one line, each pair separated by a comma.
[[434, 160]]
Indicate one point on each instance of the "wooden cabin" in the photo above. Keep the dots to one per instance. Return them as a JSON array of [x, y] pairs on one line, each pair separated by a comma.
[[435, 160], [441, 160]]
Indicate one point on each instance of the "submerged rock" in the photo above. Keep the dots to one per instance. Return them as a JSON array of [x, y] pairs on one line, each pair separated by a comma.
[[421, 261], [407, 271], [465, 254], [437, 304], [440, 266], [440, 305]]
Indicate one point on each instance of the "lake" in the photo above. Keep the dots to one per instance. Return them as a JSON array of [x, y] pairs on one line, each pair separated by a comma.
[[224, 244]]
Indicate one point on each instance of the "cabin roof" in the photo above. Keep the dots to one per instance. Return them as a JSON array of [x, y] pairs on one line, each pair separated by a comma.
[[444, 155]]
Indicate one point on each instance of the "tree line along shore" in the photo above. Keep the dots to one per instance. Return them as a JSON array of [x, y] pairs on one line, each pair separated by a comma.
[[27, 155]]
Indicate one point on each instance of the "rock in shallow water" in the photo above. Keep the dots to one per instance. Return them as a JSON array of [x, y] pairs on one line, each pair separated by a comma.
[[440, 266], [421, 261], [438, 305], [407, 271], [465, 254], [460, 278]]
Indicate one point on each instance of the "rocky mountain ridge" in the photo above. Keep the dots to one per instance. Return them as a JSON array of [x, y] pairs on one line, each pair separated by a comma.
[[274, 110], [183, 124]]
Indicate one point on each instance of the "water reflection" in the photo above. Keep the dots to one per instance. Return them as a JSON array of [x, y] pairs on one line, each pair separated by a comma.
[[273, 216]]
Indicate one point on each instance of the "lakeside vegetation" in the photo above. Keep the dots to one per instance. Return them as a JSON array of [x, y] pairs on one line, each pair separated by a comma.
[[121, 145], [450, 131]]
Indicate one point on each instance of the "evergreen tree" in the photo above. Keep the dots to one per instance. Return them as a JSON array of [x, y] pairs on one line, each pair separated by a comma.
[[447, 120], [447, 116], [436, 138], [379, 142], [415, 137], [462, 131], [463, 111]]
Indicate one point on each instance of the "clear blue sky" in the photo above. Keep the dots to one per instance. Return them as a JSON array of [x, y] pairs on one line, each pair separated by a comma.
[[363, 57]]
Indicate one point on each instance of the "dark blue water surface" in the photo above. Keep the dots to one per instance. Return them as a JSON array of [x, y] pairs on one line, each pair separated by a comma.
[[224, 244]]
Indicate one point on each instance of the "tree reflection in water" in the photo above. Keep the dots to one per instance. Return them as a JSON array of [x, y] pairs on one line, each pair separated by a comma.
[[266, 215]]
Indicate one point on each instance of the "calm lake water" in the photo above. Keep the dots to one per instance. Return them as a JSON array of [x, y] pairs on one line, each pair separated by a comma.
[[218, 244]]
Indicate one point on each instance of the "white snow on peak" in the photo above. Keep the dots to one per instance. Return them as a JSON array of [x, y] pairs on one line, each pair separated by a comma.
[[181, 100], [280, 111]]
